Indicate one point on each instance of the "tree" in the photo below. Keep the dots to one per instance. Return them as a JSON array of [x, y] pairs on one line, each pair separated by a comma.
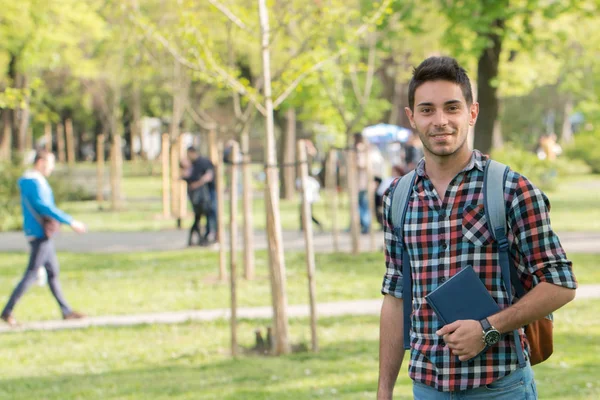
[[480, 29], [39, 36], [196, 47]]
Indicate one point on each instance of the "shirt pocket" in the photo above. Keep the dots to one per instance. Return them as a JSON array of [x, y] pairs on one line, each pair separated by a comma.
[[474, 225]]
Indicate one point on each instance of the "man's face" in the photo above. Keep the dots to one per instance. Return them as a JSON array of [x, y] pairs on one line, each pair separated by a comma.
[[442, 118], [47, 165], [192, 155]]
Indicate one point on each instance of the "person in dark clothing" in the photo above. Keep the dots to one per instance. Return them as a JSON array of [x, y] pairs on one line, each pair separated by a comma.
[[202, 194]]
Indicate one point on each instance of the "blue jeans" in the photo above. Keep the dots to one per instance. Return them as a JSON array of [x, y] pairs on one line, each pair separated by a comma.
[[518, 385], [364, 212], [42, 254], [211, 218]]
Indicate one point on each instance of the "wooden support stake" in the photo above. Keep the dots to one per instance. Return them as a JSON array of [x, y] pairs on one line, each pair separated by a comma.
[[309, 246], [70, 143], [183, 201], [331, 184], [6, 145], [371, 200], [60, 142], [353, 201], [175, 181], [114, 193], [29, 139], [220, 187], [248, 215], [213, 148], [166, 193], [48, 137], [99, 170], [233, 210]]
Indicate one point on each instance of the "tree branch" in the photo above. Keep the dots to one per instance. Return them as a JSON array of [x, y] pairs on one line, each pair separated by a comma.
[[232, 81], [359, 32], [221, 7], [333, 99], [208, 125], [370, 67], [355, 88]]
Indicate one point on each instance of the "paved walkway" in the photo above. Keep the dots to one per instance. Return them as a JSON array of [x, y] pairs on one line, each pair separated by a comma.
[[105, 242], [115, 242], [356, 307]]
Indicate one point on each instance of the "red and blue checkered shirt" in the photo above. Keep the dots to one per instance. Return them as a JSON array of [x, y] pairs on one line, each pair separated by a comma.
[[444, 236]]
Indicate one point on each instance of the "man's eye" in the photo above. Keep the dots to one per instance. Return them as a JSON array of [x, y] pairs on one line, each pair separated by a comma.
[[425, 110], [453, 108]]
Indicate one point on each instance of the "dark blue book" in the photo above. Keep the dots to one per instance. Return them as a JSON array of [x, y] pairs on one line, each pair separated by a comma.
[[461, 297]]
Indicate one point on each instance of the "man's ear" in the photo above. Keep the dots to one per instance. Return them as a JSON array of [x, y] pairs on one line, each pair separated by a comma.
[[474, 112], [410, 116]]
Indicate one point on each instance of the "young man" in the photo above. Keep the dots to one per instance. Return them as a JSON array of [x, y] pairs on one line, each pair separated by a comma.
[[444, 231], [37, 201]]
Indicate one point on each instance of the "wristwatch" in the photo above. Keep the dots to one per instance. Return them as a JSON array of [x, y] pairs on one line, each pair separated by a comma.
[[491, 335]]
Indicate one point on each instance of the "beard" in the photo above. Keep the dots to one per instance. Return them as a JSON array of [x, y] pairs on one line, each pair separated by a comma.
[[444, 150]]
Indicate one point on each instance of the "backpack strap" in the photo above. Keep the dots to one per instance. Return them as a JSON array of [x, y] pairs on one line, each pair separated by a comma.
[[400, 200], [495, 212]]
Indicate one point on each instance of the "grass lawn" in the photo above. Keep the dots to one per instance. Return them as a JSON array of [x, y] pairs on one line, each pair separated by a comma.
[[180, 280], [191, 361], [574, 205], [187, 279]]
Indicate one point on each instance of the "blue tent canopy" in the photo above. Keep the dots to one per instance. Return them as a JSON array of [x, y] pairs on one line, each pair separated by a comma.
[[386, 133]]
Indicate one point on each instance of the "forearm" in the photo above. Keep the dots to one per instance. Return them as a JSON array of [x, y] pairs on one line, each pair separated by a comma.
[[542, 300], [391, 350]]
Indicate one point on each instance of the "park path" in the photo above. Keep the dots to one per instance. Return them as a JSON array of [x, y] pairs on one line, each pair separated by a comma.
[[126, 242], [109, 242], [333, 309]]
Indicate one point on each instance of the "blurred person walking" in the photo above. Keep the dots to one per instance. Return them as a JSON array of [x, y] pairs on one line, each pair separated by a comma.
[[41, 219]]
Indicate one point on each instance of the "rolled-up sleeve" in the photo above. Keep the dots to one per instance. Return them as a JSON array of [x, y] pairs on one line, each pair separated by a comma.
[[539, 247], [392, 279]]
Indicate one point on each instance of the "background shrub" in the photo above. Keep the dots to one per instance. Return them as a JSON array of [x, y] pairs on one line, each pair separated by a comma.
[[586, 148]]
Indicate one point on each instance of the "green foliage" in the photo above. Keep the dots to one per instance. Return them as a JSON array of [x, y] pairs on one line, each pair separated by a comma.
[[542, 173], [586, 148], [10, 205]]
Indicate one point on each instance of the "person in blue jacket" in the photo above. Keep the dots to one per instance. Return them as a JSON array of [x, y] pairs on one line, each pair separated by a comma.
[[37, 202]]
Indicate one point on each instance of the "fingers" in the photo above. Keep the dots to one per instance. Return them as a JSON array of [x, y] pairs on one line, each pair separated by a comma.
[[446, 329]]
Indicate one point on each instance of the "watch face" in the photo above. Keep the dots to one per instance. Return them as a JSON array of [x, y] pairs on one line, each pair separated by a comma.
[[492, 337]]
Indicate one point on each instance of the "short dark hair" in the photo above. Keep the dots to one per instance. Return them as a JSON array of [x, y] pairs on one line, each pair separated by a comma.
[[439, 69], [358, 137], [192, 149], [41, 154]]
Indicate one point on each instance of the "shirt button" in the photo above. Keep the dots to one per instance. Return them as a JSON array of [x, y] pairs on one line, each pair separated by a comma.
[[442, 279], [444, 245]]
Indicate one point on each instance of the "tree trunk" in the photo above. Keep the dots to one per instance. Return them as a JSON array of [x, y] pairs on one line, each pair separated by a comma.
[[23, 119], [487, 71], [60, 142], [289, 155], [567, 131], [247, 206], [276, 260], [6, 142], [116, 125], [136, 126], [309, 246]]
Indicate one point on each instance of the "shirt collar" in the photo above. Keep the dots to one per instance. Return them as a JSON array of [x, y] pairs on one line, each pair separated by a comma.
[[477, 160]]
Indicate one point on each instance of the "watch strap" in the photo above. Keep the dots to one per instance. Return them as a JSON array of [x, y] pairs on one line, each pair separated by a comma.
[[485, 324]]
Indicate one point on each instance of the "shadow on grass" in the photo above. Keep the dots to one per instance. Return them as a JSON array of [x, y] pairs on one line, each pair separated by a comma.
[[342, 370]]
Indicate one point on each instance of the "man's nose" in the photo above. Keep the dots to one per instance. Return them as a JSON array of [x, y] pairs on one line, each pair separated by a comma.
[[441, 119]]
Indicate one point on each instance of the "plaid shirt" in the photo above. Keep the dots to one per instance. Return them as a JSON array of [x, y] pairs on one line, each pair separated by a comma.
[[444, 236]]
